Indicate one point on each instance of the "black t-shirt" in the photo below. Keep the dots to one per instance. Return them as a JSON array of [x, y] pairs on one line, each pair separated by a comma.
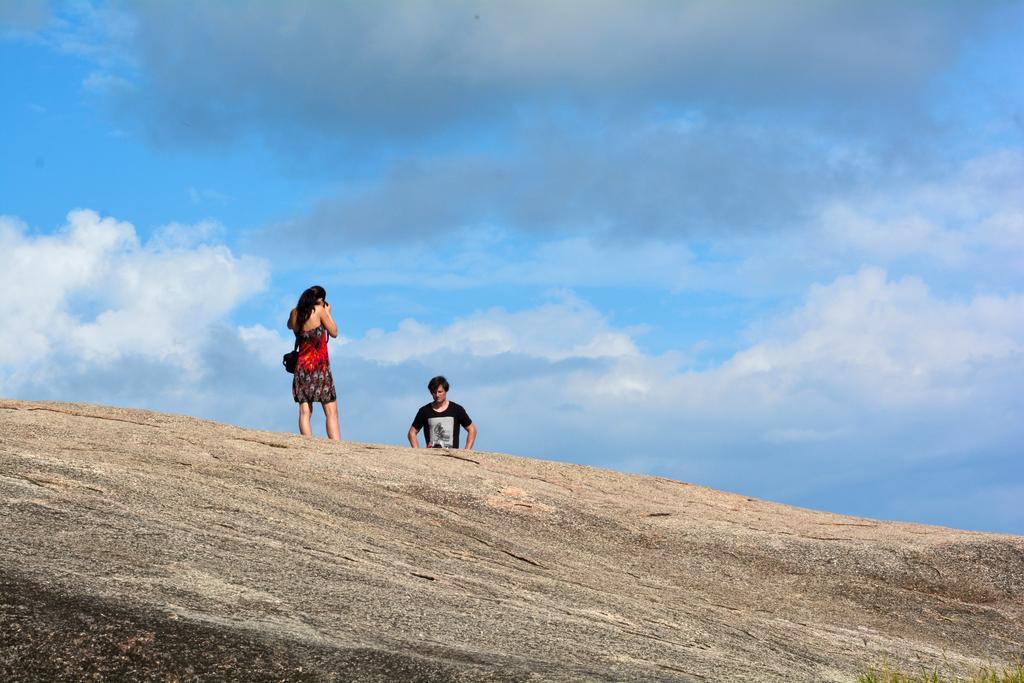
[[442, 428]]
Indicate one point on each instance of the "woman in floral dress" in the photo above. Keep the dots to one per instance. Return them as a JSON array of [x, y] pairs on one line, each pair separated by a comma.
[[312, 323]]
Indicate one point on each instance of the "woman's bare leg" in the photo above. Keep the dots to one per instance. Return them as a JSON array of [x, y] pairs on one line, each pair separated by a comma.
[[305, 413], [331, 412]]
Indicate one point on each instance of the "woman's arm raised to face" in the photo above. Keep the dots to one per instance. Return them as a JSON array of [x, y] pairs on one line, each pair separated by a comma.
[[327, 321], [291, 318]]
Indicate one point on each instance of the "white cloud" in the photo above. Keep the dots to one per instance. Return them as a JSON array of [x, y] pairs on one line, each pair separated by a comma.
[[569, 328], [105, 83], [92, 293], [197, 196], [971, 219], [266, 345], [39, 273], [186, 236], [882, 342]]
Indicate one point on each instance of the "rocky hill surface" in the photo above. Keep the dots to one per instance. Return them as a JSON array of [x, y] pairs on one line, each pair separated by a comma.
[[143, 546]]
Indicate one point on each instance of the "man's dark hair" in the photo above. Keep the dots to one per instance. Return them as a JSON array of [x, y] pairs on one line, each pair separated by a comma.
[[438, 381]]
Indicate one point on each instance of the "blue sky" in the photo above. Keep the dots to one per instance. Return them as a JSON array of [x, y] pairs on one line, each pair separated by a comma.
[[774, 248]]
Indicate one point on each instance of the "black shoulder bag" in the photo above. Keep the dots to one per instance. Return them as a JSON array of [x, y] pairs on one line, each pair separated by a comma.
[[291, 359]]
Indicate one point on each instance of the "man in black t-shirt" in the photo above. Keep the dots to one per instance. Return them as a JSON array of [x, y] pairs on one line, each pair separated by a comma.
[[442, 420]]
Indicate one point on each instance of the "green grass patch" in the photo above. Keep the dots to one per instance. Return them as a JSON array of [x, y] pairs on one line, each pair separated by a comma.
[[1010, 674]]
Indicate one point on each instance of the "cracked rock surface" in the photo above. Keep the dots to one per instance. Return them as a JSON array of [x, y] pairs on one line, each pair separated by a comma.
[[142, 546]]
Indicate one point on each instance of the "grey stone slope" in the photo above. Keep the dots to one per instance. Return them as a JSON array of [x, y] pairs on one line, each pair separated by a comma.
[[146, 546]]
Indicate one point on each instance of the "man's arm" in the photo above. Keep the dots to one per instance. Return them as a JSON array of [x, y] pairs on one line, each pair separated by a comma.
[[414, 440], [470, 435]]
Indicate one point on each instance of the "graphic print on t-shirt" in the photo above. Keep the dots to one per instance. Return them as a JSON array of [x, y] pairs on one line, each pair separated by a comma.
[[441, 430]]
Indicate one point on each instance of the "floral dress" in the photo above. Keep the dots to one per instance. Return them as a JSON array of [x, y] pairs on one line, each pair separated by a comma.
[[313, 381]]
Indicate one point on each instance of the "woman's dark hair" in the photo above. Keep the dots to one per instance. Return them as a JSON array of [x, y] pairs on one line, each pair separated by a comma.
[[307, 302], [438, 381]]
